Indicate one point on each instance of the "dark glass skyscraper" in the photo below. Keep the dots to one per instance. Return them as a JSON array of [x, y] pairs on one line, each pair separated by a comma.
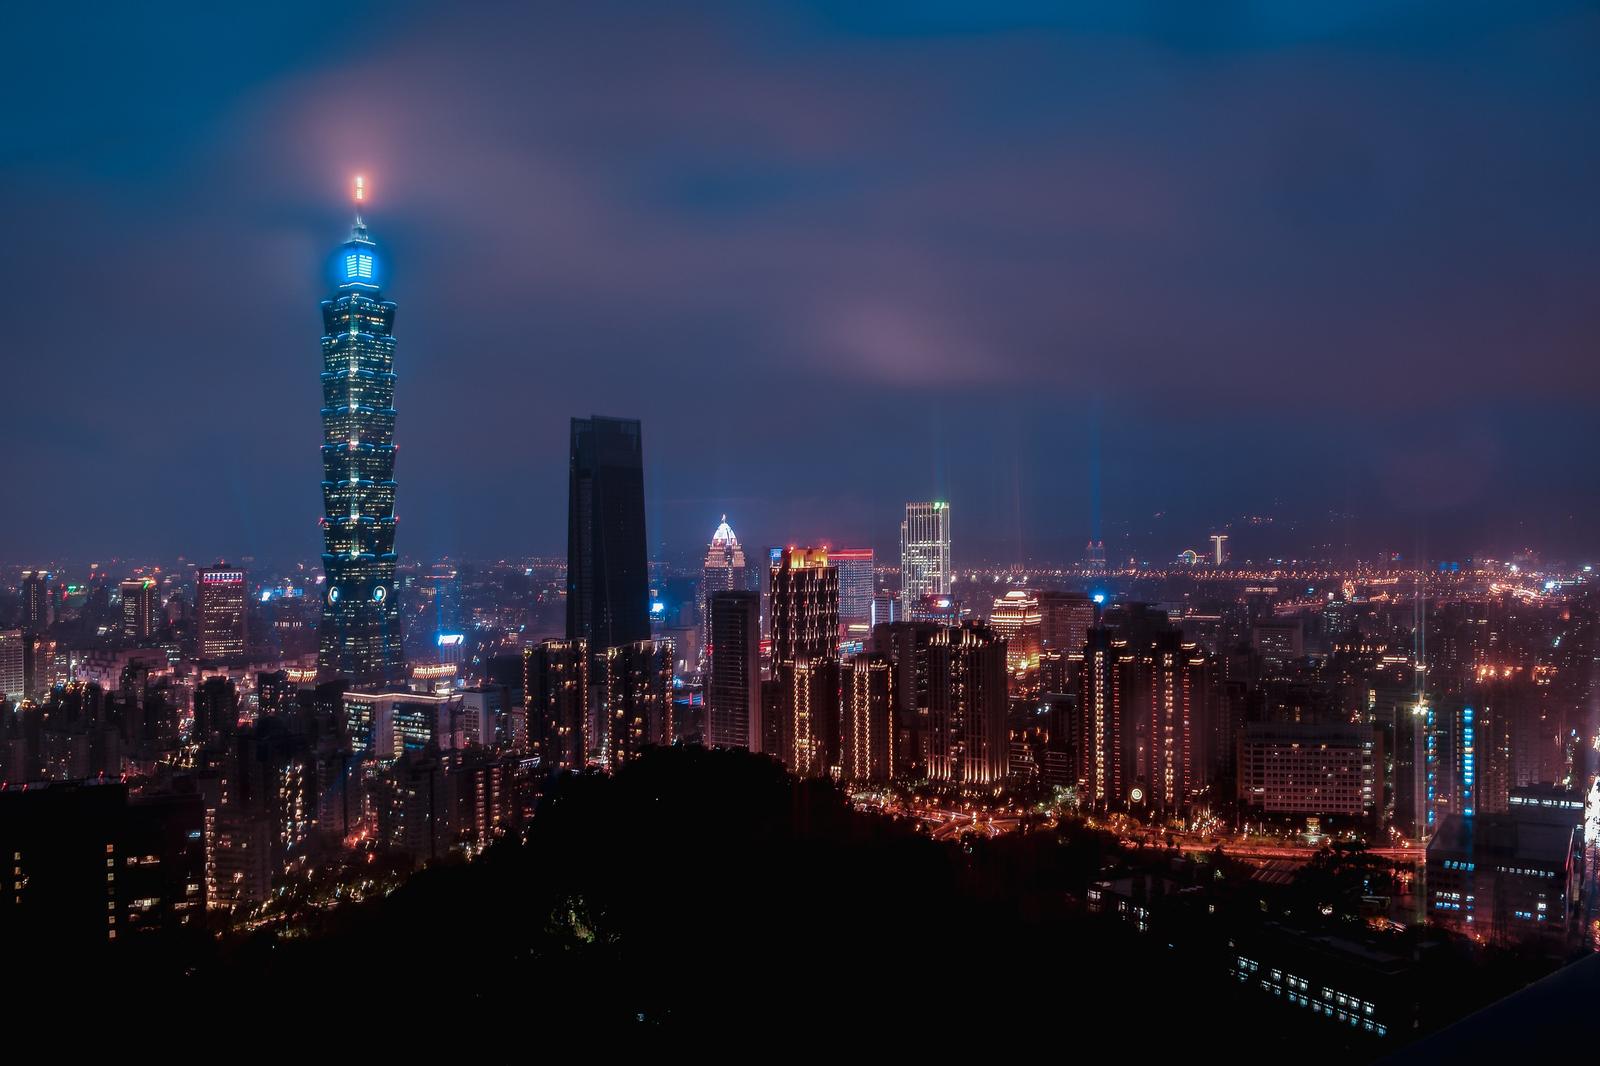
[[608, 581], [38, 606], [360, 629], [733, 687]]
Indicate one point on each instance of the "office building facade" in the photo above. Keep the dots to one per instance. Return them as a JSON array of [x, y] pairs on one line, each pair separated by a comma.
[[924, 553], [856, 584], [221, 614], [140, 598], [1309, 769]]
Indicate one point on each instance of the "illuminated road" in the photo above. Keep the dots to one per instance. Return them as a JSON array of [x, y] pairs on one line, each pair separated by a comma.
[[957, 824], [949, 825], [1234, 850]]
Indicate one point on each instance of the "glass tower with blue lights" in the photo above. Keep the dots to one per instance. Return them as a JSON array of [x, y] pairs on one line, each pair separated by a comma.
[[360, 630]]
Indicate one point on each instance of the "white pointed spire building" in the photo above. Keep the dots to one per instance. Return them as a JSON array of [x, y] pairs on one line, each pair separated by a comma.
[[724, 567]]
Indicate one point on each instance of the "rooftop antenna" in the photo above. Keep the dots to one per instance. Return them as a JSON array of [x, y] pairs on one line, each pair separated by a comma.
[[361, 200]]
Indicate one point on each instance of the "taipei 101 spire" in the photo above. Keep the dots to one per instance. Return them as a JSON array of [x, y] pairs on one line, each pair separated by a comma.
[[360, 628]]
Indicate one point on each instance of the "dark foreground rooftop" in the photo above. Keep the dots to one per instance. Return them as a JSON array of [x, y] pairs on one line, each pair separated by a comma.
[[1549, 1019]]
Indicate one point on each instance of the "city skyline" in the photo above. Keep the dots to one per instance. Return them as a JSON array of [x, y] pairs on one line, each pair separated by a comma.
[[1068, 328], [1090, 498]]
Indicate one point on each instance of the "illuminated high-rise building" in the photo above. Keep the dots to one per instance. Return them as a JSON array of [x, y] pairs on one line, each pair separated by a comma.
[[805, 604], [733, 684], [360, 626], [139, 597], [555, 685], [855, 584], [969, 739], [1016, 618], [905, 644], [1519, 744], [638, 698], [885, 609], [608, 583], [220, 611], [1465, 751], [924, 553], [866, 712], [724, 570], [1168, 713], [1104, 692], [38, 600], [1407, 742], [1145, 706], [805, 658], [13, 653]]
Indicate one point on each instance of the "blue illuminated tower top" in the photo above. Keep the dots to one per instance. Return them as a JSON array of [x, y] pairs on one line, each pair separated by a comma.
[[356, 264]]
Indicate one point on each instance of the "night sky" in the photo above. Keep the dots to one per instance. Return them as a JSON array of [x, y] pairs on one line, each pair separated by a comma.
[[1333, 264]]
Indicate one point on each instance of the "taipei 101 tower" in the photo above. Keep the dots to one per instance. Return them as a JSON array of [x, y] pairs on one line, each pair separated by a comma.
[[360, 629]]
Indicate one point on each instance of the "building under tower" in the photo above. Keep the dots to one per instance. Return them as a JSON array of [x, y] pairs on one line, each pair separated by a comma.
[[360, 626]]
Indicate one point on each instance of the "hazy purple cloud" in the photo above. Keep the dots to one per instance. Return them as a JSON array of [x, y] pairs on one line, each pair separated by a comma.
[[834, 260]]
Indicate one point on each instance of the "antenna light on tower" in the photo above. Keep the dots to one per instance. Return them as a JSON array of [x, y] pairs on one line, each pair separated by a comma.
[[361, 188]]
